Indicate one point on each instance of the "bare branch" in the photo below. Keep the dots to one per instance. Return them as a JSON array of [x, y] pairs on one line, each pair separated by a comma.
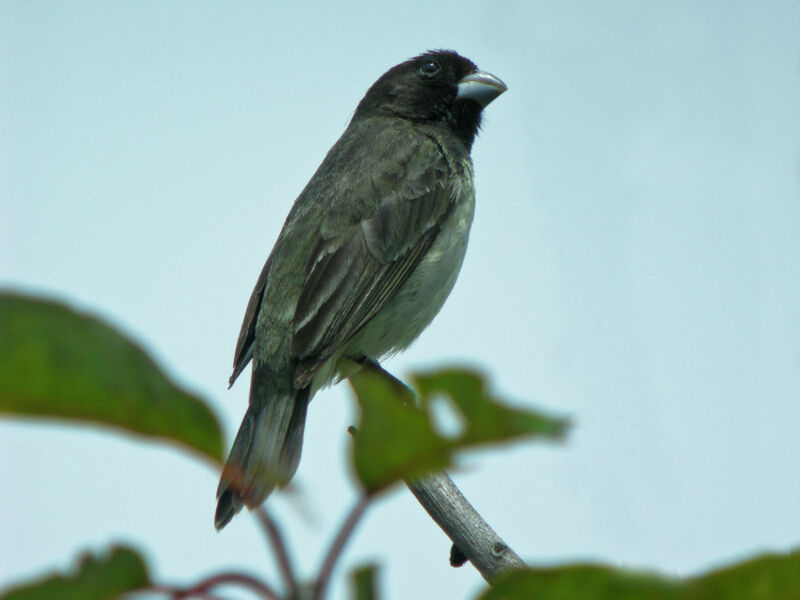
[[468, 531]]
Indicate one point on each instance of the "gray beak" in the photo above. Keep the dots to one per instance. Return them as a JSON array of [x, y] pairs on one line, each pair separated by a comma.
[[480, 86]]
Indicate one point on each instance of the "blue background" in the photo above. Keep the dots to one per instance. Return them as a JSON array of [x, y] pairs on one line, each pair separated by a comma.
[[634, 263]]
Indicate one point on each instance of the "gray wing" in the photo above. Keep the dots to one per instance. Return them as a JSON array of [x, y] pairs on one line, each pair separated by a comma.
[[372, 235], [247, 334], [353, 276]]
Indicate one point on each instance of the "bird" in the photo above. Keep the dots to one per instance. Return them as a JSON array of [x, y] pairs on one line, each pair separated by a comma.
[[369, 252]]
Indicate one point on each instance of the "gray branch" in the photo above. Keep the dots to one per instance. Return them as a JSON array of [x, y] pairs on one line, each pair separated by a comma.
[[470, 534], [464, 526]]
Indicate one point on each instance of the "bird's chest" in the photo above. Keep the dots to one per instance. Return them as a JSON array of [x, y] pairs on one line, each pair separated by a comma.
[[433, 280], [425, 291]]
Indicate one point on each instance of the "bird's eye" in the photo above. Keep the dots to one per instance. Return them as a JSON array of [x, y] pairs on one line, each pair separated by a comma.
[[429, 68]]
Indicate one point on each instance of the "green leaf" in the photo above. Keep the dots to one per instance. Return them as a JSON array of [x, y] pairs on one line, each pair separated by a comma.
[[364, 582], [586, 582], [398, 440], [120, 570], [769, 577], [488, 419], [64, 364], [395, 440]]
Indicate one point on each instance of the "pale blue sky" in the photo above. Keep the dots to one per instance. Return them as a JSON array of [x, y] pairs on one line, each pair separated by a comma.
[[634, 263]]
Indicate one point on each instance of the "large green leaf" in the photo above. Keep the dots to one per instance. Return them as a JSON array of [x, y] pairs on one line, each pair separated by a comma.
[[771, 577], [487, 418], [399, 440], [767, 577], [587, 582], [121, 570], [395, 440], [57, 362]]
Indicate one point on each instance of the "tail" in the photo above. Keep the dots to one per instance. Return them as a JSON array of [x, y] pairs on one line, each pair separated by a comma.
[[265, 453]]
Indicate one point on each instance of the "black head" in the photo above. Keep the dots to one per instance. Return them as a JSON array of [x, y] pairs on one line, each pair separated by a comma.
[[438, 87]]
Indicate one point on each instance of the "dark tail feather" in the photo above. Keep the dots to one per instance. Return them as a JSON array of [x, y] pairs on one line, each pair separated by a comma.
[[265, 453]]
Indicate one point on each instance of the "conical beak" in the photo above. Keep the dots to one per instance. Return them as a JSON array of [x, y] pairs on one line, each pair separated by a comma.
[[481, 87]]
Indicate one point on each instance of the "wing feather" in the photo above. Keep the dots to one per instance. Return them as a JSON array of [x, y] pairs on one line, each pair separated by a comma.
[[384, 210], [378, 253]]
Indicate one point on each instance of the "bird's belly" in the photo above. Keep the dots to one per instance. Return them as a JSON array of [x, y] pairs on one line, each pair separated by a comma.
[[419, 300]]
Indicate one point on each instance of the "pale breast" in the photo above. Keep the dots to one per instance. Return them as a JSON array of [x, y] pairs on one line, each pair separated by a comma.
[[423, 294]]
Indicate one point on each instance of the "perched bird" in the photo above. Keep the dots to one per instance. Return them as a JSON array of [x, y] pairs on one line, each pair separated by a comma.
[[366, 258]]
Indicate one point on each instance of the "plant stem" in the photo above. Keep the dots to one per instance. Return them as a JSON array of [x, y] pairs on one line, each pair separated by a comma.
[[275, 538], [202, 589], [336, 548]]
